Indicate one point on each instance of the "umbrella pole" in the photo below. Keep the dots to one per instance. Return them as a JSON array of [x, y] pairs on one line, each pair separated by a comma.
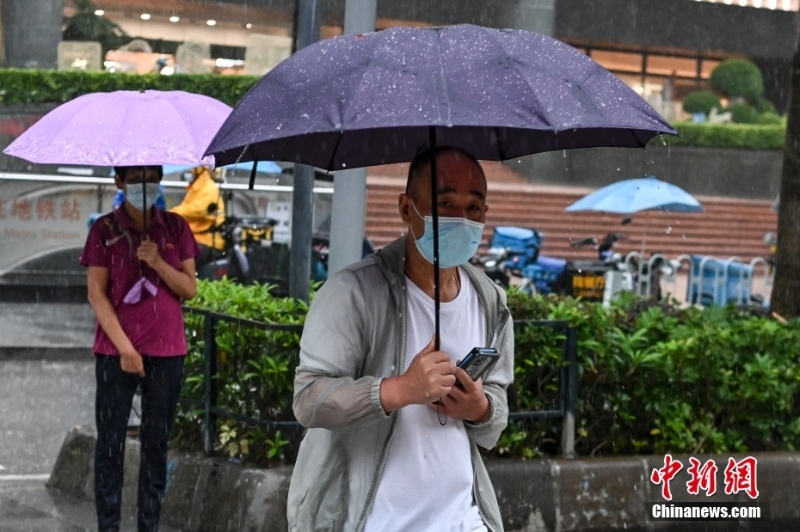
[[435, 213], [144, 213]]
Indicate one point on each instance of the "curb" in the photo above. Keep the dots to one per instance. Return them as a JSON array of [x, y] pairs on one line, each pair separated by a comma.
[[50, 354], [592, 495]]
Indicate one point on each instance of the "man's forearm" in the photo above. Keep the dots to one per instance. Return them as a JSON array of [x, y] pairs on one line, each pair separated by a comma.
[[392, 397]]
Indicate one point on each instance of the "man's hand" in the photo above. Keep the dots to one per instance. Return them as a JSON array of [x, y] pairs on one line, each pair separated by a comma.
[[429, 378], [466, 400], [131, 362], [148, 252]]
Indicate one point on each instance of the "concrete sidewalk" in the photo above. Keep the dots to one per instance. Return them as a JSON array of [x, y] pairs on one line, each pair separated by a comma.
[[28, 506]]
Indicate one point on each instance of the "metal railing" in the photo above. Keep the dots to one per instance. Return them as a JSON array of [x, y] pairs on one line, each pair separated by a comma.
[[568, 381]]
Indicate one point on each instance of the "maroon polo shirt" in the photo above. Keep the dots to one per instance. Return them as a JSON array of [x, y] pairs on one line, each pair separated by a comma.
[[154, 325]]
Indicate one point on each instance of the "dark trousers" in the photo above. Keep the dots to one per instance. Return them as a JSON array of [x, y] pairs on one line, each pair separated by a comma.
[[161, 388]]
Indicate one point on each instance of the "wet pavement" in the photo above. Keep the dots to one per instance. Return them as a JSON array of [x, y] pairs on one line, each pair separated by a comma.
[[54, 331], [40, 401]]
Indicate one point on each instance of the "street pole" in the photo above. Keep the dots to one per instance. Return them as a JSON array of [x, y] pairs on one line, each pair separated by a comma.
[[308, 17], [350, 186]]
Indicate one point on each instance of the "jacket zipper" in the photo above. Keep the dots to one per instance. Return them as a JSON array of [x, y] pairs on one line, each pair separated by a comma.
[[374, 489]]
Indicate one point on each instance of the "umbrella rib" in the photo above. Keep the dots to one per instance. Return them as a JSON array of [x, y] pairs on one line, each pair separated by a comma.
[[524, 78], [445, 90]]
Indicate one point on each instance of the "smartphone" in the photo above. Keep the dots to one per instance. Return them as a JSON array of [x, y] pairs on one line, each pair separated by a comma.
[[479, 362]]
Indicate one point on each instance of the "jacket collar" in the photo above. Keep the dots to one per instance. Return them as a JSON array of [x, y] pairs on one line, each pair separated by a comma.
[[391, 260]]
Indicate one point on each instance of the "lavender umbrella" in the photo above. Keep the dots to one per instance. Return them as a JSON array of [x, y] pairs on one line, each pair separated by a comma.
[[362, 100], [125, 128]]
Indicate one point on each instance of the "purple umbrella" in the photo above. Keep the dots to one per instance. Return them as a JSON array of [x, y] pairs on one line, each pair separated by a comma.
[[363, 100], [125, 128]]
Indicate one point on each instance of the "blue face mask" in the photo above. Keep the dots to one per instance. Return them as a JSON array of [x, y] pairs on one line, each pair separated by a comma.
[[135, 195], [459, 239]]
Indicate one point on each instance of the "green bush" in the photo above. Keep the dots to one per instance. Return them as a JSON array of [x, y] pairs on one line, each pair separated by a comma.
[[733, 136], [255, 372], [738, 78], [742, 113], [27, 86], [700, 102], [769, 119], [653, 378], [765, 106]]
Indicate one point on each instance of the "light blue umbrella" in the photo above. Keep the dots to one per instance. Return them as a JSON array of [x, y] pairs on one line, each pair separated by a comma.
[[635, 195], [264, 167]]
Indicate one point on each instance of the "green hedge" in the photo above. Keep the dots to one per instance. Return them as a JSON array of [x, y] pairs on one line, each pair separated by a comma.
[[28, 86], [734, 136], [653, 377]]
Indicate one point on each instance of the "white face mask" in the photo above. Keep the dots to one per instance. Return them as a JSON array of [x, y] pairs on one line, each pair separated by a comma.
[[136, 196], [459, 239]]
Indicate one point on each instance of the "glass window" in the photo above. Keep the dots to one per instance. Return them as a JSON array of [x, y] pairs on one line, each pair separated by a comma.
[[618, 61], [665, 66], [708, 66]]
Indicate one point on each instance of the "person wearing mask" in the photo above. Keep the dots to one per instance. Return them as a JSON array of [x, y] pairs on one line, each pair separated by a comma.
[[393, 425], [204, 208], [140, 337]]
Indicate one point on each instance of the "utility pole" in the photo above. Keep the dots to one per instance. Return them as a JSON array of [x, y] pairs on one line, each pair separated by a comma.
[[308, 17], [350, 186]]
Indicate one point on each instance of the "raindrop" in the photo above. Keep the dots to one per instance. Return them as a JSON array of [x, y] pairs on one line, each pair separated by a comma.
[[565, 154], [683, 237], [664, 142], [668, 230]]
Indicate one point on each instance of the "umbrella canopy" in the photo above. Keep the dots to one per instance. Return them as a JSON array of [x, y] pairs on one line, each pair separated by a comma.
[[634, 195], [363, 100], [125, 128], [379, 98]]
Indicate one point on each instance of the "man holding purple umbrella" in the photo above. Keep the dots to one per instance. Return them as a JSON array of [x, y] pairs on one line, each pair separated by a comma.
[[394, 425], [136, 283]]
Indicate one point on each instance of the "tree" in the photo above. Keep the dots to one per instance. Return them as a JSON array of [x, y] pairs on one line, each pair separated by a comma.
[[700, 102], [786, 290], [738, 79], [84, 25]]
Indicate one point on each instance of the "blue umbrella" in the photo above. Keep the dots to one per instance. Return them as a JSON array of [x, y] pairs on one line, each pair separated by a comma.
[[264, 167], [635, 195], [380, 98]]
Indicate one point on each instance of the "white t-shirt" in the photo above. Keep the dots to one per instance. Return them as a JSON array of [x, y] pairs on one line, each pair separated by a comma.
[[427, 480]]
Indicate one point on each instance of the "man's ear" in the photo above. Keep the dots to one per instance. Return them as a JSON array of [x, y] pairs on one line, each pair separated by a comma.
[[404, 206], [118, 182]]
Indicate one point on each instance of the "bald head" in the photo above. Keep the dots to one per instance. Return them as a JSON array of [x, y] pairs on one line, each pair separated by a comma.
[[419, 172]]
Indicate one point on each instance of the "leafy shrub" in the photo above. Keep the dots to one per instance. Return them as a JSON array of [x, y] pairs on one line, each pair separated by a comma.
[[700, 102], [769, 119], [742, 113], [765, 106], [734, 136], [738, 78], [28, 86], [653, 377], [255, 372]]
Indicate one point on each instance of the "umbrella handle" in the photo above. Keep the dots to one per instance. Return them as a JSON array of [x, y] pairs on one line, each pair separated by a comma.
[[144, 213], [435, 199]]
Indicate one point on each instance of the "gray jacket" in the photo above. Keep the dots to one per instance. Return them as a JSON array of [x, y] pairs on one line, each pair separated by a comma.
[[355, 336]]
